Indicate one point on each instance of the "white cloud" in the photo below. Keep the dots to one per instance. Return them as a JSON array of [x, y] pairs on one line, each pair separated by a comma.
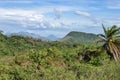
[[82, 13], [111, 22], [23, 17], [37, 19], [90, 19], [51, 8], [113, 4], [29, 18], [113, 7], [19, 14], [58, 13]]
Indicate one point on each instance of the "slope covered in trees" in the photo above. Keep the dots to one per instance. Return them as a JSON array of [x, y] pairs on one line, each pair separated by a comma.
[[24, 58], [80, 37]]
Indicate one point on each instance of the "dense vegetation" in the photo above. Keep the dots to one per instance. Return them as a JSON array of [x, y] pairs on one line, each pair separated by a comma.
[[25, 58], [111, 39]]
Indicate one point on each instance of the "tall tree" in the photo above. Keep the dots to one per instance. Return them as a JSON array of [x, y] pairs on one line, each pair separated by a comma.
[[111, 39]]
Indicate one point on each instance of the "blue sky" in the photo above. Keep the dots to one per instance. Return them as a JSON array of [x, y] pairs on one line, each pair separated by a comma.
[[58, 17]]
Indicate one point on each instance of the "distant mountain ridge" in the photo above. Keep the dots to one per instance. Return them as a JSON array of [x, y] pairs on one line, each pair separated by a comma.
[[72, 37], [52, 37], [80, 37], [27, 34]]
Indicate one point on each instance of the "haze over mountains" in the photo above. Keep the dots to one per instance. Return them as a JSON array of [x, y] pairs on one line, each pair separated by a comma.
[[36, 36], [72, 37]]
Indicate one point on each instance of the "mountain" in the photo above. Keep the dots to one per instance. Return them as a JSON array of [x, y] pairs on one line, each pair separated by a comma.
[[48, 38], [28, 35], [52, 38], [79, 37]]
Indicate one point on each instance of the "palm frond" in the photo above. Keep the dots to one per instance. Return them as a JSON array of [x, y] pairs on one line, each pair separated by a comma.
[[111, 39], [101, 36], [114, 31], [105, 31]]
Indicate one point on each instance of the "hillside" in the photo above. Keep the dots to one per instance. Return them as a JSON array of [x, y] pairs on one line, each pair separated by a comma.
[[25, 58], [79, 37], [11, 45]]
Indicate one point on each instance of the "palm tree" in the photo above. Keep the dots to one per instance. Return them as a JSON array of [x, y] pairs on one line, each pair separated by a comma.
[[111, 39]]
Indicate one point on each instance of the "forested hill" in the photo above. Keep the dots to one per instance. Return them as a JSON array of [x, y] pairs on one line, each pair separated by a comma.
[[10, 45], [25, 58], [79, 37]]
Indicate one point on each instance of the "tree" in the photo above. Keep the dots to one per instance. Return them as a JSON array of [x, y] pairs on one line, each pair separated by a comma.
[[111, 39]]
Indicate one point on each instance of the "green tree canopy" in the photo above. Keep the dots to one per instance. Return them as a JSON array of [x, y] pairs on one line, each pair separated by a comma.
[[111, 39]]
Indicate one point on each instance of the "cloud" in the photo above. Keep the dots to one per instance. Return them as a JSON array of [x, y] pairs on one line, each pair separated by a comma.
[[113, 4], [17, 1], [82, 13], [25, 18], [54, 8], [58, 13], [36, 20], [112, 21], [19, 14], [58, 10], [31, 19], [113, 7], [92, 18]]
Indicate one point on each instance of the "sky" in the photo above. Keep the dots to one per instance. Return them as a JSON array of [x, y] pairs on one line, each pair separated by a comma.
[[58, 17]]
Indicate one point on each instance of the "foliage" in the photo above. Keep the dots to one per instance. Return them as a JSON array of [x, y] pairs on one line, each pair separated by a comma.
[[24, 58], [80, 37], [111, 39]]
